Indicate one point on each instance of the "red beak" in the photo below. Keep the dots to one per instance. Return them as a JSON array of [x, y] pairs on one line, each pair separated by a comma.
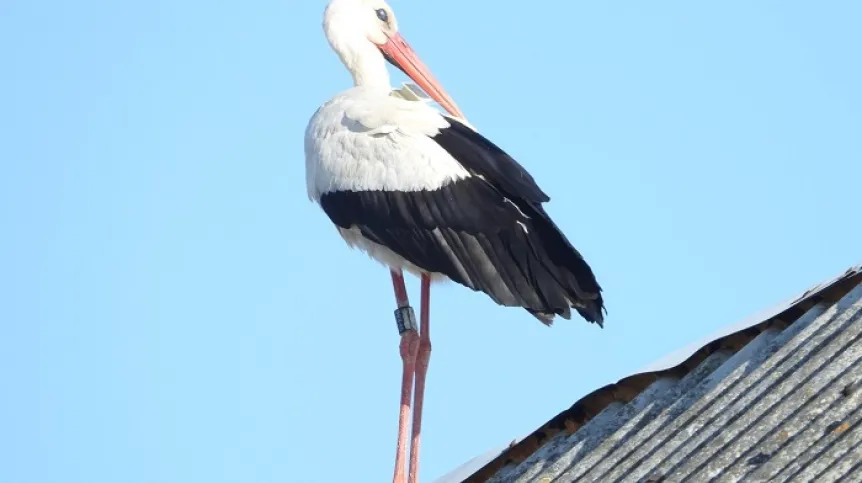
[[399, 54]]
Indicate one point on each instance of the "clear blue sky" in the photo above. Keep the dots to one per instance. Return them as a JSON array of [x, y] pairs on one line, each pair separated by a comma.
[[173, 309]]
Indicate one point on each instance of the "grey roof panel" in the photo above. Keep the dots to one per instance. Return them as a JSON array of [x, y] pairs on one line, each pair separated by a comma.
[[777, 398]]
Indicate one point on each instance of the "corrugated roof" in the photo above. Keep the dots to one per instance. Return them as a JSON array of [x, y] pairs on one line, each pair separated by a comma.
[[775, 398]]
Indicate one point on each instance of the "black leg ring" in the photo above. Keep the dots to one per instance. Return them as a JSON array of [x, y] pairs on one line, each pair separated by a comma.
[[405, 319]]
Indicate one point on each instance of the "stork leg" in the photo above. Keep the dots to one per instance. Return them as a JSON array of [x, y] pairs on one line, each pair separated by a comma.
[[422, 359], [408, 348]]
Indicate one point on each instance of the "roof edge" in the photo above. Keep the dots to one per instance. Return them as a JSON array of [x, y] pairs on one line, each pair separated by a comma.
[[676, 365]]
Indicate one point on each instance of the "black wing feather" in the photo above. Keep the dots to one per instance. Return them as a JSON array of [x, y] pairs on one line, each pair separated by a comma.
[[481, 156], [469, 232]]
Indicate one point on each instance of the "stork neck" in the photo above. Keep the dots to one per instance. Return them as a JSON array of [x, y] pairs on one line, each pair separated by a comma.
[[368, 68], [346, 25]]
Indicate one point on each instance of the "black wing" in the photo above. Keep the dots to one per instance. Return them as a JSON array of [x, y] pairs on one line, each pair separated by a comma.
[[481, 156], [486, 232]]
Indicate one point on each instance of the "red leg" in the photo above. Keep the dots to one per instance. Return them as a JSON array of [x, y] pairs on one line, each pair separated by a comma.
[[408, 348], [423, 357]]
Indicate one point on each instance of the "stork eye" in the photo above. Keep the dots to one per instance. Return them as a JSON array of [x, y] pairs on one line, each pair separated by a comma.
[[382, 15]]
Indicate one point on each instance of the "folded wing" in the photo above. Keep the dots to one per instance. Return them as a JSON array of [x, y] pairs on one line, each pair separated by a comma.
[[486, 230]]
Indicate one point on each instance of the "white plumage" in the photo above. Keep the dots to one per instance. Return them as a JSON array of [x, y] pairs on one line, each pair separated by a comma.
[[363, 140]]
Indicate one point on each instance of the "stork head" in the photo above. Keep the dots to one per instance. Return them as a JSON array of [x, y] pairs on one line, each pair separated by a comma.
[[358, 29]]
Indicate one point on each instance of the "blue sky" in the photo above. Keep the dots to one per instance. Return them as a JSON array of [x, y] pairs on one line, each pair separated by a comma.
[[173, 309]]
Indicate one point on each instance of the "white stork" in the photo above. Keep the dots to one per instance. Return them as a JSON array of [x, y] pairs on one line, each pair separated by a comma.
[[422, 191]]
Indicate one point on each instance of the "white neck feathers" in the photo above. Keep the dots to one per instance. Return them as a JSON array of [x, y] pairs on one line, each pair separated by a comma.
[[348, 39]]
